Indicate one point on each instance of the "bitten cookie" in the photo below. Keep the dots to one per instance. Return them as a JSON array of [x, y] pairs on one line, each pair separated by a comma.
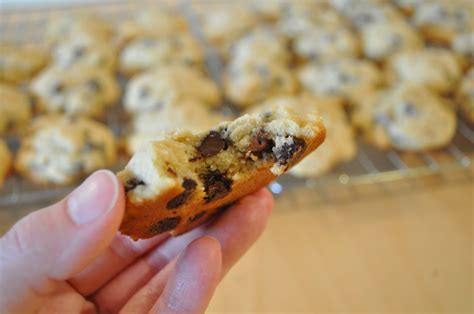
[[144, 53], [407, 117], [382, 40], [165, 87], [345, 78], [18, 64], [79, 90], [437, 69], [182, 180], [187, 114], [339, 145], [152, 22], [465, 95], [5, 161], [84, 50], [440, 21], [15, 109], [58, 150], [325, 43], [250, 83]]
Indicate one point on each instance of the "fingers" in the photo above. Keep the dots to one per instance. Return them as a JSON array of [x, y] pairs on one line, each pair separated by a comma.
[[55, 243], [121, 253], [190, 284], [236, 230]]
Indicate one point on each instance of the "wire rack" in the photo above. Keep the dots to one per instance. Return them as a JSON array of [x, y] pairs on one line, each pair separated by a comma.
[[371, 167]]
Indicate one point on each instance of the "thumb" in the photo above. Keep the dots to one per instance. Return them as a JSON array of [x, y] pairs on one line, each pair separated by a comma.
[[56, 242]]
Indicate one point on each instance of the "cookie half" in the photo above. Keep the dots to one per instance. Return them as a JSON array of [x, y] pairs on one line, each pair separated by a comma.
[[182, 180]]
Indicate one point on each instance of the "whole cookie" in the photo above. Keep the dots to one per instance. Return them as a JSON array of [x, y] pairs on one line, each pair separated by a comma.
[[382, 40], [165, 87], [339, 145], [5, 161], [20, 63], [15, 109], [88, 24], [465, 95], [185, 115], [182, 180], [326, 43], [160, 22], [260, 44], [440, 21], [250, 83], [84, 50], [59, 150], [144, 53], [407, 117], [437, 69], [345, 78], [79, 90]]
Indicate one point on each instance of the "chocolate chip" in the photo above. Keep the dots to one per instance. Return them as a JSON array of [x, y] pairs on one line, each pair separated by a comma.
[[144, 92], [165, 225], [171, 171], [345, 78], [158, 105], [260, 145], [216, 185], [197, 216], [409, 109], [189, 186], [212, 144], [91, 146], [288, 151], [132, 184], [78, 52], [94, 85], [57, 88]]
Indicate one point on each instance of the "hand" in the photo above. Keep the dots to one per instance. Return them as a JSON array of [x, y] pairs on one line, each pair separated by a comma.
[[70, 256]]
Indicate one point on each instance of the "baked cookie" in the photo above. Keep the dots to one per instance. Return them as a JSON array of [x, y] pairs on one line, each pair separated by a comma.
[[144, 53], [250, 83], [15, 109], [185, 115], [78, 90], [88, 24], [260, 44], [463, 44], [152, 22], [5, 161], [438, 69], [167, 86], [325, 43], [345, 78], [276, 9], [59, 150], [224, 23], [465, 95], [85, 50], [339, 145], [382, 40], [407, 117], [440, 21], [182, 180], [20, 63]]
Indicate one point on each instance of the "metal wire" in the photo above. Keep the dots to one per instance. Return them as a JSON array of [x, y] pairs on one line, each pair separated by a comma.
[[370, 166]]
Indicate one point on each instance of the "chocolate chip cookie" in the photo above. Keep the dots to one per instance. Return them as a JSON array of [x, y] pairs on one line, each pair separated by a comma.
[[345, 78], [20, 63], [78, 90], [407, 117], [15, 109], [182, 180], [164, 87], [437, 69], [339, 145], [59, 150], [465, 95], [246, 84], [5, 161], [144, 53]]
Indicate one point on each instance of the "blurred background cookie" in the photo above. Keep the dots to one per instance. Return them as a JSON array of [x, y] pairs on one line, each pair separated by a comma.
[[15, 109], [20, 63]]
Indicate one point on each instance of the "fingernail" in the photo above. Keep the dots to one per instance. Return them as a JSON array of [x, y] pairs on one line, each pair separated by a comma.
[[93, 198]]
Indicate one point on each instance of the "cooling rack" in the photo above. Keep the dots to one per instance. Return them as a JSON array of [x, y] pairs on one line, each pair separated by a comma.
[[371, 167]]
